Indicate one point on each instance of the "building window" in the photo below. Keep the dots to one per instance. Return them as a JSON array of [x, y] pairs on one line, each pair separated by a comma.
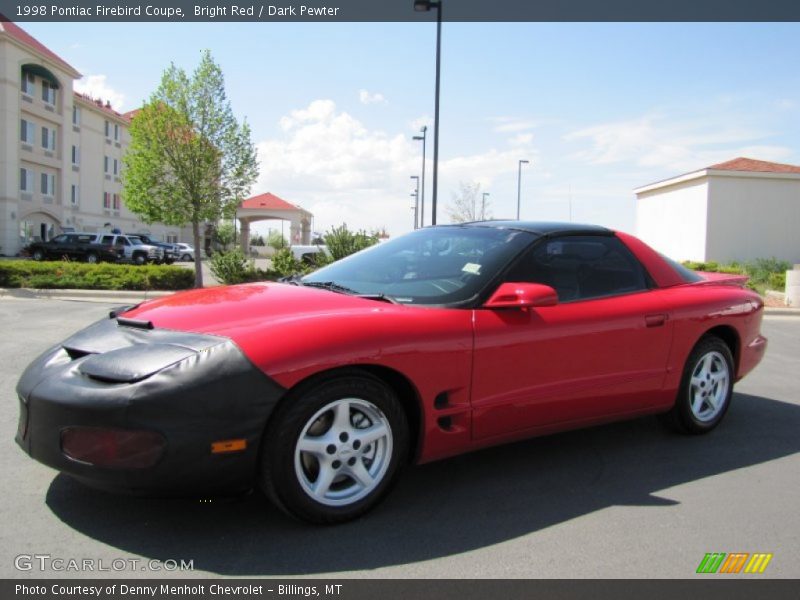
[[48, 92], [28, 86], [76, 155], [172, 238], [108, 129], [48, 184], [25, 180], [106, 200], [116, 167], [75, 195], [27, 131], [48, 138], [116, 132], [105, 164], [76, 115], [115, 199]]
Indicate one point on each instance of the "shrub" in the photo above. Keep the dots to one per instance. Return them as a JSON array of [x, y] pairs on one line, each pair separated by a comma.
[[103, 276], [284, 264], [232, 267], [764, 273], [342, 242]]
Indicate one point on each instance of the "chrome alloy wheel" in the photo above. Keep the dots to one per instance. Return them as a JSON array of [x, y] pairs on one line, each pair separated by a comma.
[[343, 452], [709, 386]]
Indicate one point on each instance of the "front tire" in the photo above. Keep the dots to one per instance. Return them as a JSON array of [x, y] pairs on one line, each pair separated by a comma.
[[140, 259], [706, 387], [92, 258], [333, 450], [38, 255], [186, 258]]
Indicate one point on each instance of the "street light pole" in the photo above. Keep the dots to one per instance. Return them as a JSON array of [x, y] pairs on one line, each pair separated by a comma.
[[483, 206], [416, 200], [519, 184], [425, 6], [424, 140]]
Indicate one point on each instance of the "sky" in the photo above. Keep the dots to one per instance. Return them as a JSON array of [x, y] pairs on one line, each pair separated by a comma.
[[597, 109]]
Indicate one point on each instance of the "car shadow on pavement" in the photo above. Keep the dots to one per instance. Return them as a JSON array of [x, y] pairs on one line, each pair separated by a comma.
[[443, 508]]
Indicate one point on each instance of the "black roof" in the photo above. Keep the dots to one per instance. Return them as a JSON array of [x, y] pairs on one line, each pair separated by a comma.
[[542, 227]]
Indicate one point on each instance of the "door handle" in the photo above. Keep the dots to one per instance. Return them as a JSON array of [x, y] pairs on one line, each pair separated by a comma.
[[655, 320]]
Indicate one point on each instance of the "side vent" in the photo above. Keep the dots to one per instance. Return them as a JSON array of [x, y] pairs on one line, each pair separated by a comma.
[[441, 401], [445, 423]]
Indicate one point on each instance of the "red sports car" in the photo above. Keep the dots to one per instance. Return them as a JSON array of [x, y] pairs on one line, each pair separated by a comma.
[[439, 342]]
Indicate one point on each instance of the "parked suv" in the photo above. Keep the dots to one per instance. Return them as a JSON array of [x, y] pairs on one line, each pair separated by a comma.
[[170, 251], [74, 246], [131, 248]]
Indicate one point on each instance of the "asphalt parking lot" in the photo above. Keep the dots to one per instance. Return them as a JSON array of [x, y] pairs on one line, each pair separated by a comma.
[[629, 500]]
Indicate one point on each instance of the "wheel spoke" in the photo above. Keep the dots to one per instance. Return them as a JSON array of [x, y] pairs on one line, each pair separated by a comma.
[[313, 445], [373, 434], [341, 416], [324, 480], [697, 404], [360, 474], [697, 382]]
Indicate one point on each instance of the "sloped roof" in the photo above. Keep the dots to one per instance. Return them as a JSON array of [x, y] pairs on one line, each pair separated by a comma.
[[269, 201], [15, 32], [754, 166]]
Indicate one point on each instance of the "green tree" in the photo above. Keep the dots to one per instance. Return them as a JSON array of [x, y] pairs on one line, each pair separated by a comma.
[[189, 160], [276, 240]]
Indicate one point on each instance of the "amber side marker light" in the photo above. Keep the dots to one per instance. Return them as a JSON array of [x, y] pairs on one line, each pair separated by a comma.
[[224, 446], [113, 448]]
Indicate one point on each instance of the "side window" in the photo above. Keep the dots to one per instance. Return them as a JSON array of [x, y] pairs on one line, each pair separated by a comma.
[[61, 239], [108, 239], [582, 267]]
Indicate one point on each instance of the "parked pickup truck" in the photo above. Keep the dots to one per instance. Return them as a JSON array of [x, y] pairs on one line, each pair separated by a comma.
[[170, 250], [306, 253], [72, 246], [131, 248]]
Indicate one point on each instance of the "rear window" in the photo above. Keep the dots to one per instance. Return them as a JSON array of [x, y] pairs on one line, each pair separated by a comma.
[[686, 274]]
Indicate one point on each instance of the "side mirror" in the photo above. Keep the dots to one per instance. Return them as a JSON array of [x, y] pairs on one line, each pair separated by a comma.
[[522, 295]]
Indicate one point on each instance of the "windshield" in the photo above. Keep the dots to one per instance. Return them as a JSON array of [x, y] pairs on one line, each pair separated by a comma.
[[440, 265]]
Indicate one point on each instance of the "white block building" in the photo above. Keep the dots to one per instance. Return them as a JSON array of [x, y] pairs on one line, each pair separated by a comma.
[[738, 210]]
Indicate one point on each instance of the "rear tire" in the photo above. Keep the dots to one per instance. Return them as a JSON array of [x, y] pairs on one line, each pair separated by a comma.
[[706, 388], [186, 257], [333, 449], [91, 258]]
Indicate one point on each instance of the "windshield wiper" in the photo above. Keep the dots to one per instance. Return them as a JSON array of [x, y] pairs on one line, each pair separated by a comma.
[[330, 285], [341, 289]]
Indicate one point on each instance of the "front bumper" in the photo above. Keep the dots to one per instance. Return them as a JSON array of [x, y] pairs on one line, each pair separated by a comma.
[[194, 390]]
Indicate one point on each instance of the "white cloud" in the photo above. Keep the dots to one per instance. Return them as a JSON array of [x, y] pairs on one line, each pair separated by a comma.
[[513, 125], [672, 144], [370, 98], [97, 87], [327, 161]]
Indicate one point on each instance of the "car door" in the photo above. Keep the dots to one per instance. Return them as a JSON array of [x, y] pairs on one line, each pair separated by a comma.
[[600, 352]]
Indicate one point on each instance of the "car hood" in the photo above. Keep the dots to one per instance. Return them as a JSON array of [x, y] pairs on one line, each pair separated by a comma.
[[228, 309]]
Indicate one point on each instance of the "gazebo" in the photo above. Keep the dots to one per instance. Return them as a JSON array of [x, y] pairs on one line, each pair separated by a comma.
[[269, 206]]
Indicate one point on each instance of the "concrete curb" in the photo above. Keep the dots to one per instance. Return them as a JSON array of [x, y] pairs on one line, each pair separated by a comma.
[[105, 296], [779, 311]]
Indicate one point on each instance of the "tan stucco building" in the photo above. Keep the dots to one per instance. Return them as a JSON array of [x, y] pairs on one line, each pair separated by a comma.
[[739, 210], [60, 152]]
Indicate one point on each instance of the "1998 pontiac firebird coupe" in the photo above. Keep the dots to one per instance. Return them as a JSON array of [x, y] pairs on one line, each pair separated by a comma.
[[439, 342]]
